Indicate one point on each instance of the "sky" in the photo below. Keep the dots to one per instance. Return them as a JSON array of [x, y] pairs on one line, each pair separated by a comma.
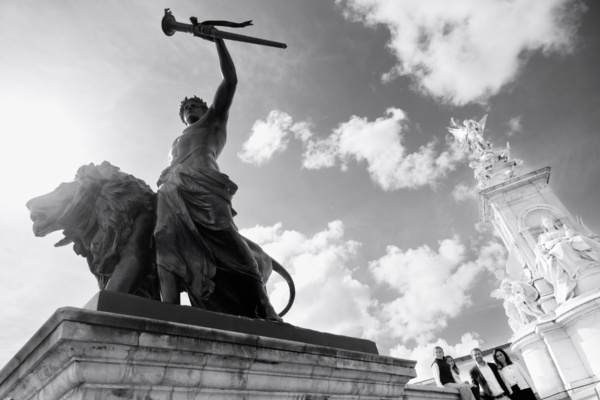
[[338, 143]]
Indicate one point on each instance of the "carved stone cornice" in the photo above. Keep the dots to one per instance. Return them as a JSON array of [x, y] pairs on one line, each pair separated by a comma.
[[487, 195]]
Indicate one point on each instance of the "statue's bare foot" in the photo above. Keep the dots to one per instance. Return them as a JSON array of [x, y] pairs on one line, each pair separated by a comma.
[[264, 308], [266, 311], [273, 316]]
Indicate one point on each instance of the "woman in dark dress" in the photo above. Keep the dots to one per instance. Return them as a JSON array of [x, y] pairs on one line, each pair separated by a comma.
[[515, 377]]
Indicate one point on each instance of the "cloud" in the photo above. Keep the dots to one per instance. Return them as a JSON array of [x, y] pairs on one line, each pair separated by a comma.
[[462, 192], [270, 136], [432, 286], [492, 256], [515, 125], [423, 277], [467, 51], [423, 353], [379, 144], [328, 297]]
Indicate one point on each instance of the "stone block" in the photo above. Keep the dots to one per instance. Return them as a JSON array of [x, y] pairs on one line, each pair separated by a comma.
[[95, 354], [421, 392]]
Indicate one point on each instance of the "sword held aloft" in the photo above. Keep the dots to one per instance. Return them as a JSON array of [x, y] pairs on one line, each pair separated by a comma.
[[170, 26]]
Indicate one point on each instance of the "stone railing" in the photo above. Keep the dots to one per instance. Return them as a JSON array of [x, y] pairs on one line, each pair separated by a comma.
[[422, 392]]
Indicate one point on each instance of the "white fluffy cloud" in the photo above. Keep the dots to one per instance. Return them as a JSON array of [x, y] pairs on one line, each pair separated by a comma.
[[270, 136], [462, 192], [377, 143], [492, 256], [328, 297], [432, 286], [467, 50], [515, 126], [423, 353]]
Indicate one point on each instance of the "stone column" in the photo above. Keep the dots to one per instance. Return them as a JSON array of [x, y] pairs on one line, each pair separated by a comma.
[[531, 348], [562, 348]]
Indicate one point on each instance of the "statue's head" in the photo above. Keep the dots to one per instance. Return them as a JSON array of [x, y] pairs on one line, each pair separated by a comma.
[[506, 287], [549, 224], [192, 109], [516, 289]]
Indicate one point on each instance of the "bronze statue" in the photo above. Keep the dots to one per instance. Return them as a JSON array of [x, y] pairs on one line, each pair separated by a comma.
[[198, 247], [185, 234], [109, 216]]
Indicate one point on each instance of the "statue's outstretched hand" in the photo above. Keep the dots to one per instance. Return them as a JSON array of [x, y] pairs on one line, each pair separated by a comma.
[[202, 30]]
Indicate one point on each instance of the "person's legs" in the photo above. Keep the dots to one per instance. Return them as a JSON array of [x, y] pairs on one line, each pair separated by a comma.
[[516, 395], [475, 391], [463, 390], [525, 394], [466, 393]]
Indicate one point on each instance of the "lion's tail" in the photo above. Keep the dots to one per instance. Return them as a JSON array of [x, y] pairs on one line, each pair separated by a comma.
[[285, 275]]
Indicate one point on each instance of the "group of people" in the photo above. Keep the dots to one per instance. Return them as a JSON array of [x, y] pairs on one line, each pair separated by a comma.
[[502, 379]]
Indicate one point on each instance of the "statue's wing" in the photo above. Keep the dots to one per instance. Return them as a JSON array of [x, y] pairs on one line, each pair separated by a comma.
[[530, 292], [514, 267], [459, 133], [482, 122]]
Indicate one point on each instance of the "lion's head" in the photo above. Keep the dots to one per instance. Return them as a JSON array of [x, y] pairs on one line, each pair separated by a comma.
[[46, 210], [96, 212]]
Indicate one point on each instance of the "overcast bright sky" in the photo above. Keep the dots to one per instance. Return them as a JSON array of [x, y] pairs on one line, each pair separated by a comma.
[[338, 144]]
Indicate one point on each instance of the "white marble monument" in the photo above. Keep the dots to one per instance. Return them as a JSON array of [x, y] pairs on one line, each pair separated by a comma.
[[551, 286]]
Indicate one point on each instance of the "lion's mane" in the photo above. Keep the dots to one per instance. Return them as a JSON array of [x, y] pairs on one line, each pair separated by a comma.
[[100, 218]]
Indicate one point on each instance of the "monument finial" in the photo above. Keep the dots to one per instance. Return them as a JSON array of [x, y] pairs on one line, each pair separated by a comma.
[[491, 164]]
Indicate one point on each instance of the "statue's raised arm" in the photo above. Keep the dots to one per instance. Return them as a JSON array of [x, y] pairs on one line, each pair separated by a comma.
[[226, 91]]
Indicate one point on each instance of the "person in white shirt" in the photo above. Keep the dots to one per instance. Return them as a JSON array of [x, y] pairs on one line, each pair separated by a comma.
[[486, 376], [442, 374], [515, 377]]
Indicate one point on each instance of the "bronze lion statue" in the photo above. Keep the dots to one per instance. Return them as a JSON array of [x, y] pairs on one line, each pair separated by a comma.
[[109, 216]]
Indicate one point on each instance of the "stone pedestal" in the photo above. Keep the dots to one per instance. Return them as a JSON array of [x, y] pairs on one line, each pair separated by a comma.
[[587, 280], [547, 300], [97, 353], [562, 349], [422, 392]]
